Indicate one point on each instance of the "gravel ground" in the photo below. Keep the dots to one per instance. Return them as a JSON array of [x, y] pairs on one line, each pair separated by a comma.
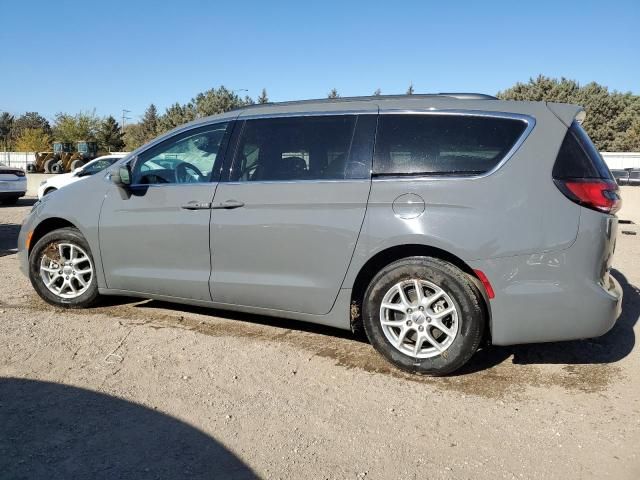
[[145, 389]]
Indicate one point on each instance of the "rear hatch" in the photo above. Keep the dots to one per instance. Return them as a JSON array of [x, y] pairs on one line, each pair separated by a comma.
[[582, 175], [8, 177]]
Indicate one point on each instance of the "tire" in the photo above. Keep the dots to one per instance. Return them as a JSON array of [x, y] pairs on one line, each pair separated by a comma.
[[76, 164], [465, 324], [46, 251], [49, 190], [48, 164], [31, 168], [57, 168]]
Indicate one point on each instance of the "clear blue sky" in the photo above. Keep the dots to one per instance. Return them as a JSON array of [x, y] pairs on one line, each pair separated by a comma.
[[108, 55]]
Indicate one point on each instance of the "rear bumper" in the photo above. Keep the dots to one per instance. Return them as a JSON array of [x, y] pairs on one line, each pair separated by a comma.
[[12, 193], [554, 296], [530, 309]]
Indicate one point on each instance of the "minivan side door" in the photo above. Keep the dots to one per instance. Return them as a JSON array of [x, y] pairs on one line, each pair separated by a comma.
[[154, 235], [296, 192]]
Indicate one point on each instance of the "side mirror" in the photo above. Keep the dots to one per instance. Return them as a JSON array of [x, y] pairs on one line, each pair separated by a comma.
[[122, 175]]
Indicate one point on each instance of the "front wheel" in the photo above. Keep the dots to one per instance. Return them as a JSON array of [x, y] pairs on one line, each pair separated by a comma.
[[62, 270], [424, 315]]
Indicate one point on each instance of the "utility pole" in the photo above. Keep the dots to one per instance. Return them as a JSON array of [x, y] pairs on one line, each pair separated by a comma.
[[124, 117]]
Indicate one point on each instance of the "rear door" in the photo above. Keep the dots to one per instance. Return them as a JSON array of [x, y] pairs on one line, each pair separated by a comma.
[[286, 221], [154, 236]]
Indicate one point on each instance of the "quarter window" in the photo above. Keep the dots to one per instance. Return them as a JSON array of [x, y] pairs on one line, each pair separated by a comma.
[[443, 144], [189, 157], [295, 148]]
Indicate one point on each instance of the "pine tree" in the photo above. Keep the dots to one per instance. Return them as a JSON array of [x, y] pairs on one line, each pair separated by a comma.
[[110, 135], [174, 116], [6, 126], [149, 123], [611, 116], [333, 94], [263, 98], [410, 90], [377, 92]]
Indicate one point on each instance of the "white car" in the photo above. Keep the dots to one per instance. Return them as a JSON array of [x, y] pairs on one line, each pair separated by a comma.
[[91, 168], [13, 184]]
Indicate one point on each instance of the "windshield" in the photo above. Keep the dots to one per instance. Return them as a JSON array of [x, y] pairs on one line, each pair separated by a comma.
[[98, 165]]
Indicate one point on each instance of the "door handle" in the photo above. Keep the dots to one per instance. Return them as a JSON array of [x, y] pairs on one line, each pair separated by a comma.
[[228, 205], [197, 206]]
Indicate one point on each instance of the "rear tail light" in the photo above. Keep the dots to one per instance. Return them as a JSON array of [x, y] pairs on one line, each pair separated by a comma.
[[596, 194]]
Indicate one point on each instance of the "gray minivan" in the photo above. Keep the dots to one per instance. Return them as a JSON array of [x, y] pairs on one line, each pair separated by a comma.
[[434, 223]]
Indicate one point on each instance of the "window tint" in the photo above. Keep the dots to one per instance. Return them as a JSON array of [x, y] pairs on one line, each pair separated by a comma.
[[579, 158], [297, 148], [443, 144], [188, 157]]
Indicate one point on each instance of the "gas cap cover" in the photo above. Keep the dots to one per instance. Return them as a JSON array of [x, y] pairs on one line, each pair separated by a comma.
[[408, 205]]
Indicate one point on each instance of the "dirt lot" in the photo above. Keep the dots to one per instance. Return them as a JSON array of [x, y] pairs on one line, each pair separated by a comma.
[[144, 389]]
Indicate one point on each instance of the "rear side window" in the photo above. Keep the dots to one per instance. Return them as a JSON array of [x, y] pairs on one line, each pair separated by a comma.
[[579, 158], [295, 148], [443, 144]]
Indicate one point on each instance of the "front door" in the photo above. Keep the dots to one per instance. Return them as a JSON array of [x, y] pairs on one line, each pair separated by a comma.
[[286, 221], [154, 235]]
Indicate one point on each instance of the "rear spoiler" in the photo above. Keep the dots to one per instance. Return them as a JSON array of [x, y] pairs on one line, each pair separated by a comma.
[[566, 112]]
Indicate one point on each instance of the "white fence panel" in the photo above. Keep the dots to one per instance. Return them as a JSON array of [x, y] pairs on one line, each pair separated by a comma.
[[17, 159], [621, 160]]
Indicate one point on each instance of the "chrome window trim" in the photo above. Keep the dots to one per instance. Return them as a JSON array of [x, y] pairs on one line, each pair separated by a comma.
[[317, 180], [527, 119]]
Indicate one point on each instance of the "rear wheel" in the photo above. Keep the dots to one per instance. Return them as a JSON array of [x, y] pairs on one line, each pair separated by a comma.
[[62, 270], [57, 168], [424, 315]]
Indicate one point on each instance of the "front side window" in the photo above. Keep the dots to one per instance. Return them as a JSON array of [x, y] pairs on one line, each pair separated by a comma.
[[189, 157], [443, 144], [296, 148]]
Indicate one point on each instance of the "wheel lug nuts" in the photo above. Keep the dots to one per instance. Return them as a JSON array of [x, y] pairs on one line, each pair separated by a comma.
[[409, 322], [420, 328], [421, 308], [409, 310]]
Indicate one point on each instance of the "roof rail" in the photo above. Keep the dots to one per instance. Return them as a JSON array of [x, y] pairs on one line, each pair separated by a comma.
[[459, 96], [469, 96]]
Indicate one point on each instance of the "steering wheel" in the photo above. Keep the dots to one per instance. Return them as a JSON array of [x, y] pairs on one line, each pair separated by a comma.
[[249, 171], [188, 173]]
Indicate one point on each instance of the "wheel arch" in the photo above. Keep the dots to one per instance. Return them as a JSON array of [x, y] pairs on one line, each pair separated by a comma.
[[46, 226], [383, 258]]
